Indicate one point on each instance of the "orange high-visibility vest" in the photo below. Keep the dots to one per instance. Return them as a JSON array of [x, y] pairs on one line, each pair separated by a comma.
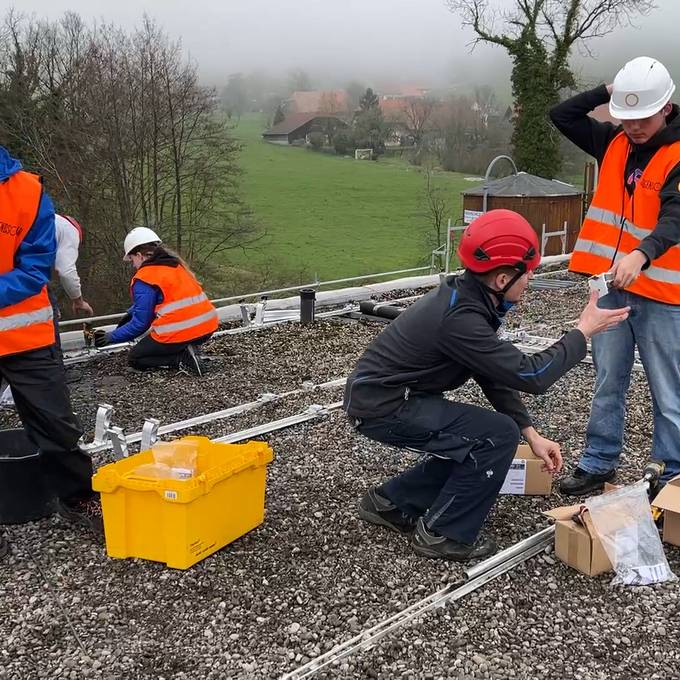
[[616, 222], [28, 324], [185, 313]]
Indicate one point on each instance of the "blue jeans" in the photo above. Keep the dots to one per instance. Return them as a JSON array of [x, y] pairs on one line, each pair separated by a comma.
[[655, 328]]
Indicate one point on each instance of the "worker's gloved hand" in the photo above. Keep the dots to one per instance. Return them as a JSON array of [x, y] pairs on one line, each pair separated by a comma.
[[101, 338]]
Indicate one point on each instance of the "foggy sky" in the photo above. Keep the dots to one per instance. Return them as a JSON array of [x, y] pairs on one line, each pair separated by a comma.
[[375, 41]]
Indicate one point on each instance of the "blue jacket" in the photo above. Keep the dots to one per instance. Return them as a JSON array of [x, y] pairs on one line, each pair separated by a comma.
[[144, 300], [34, 258]]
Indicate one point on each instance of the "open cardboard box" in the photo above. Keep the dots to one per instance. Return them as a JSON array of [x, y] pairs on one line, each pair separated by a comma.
[[578, 545], [668, 500], [526, 476]]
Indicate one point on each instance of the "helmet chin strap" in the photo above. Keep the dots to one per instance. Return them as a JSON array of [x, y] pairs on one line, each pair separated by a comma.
[[500, 294]]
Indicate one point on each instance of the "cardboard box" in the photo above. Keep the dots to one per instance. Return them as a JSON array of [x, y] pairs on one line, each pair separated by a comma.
[[526, 476], [578, 545], [668, 500]]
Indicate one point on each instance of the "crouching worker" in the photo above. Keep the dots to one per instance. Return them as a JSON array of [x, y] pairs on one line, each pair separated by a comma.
[[394, 395], [167, 301]]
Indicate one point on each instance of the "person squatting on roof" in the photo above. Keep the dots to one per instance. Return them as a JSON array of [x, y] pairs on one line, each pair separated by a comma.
[[167, 301], [632, 228], [395, 393], [29, 359]]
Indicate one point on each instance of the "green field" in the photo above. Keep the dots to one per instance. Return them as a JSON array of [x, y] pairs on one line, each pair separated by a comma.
[[332, 216]]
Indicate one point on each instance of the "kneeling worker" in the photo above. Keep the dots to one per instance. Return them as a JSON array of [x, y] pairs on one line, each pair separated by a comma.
[[168, 301], [395, 393]]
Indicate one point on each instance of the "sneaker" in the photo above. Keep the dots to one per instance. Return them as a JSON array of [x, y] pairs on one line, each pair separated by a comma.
[[580, 482], [86, 513], [4, 546], [379, 510], [429, 544], [190, 362]]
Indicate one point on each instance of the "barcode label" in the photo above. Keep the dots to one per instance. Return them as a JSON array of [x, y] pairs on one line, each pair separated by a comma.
[[170, 495], [515, 480]]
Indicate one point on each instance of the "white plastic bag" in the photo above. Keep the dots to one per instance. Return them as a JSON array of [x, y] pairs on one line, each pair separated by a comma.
[[180, 457], [623, 520]]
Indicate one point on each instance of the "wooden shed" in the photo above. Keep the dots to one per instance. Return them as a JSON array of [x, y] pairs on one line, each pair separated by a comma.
[[542, 201]]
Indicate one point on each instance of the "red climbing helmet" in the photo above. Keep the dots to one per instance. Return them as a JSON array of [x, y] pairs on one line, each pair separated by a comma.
[[499, 238]]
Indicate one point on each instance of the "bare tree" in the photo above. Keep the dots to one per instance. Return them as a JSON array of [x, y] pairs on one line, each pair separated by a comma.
[[539, 36], [124, 134], [437, 207], [416, 117]]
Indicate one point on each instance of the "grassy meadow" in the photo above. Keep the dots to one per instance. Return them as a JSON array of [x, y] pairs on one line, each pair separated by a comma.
[[332, 216]]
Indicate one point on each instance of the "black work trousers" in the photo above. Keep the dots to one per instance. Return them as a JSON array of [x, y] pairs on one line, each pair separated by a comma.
[[470, 450], [149, 353], [42, 401]]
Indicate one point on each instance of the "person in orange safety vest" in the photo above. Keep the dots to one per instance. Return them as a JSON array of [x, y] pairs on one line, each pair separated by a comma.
[[29, 360], [632, 230], [169, 308]]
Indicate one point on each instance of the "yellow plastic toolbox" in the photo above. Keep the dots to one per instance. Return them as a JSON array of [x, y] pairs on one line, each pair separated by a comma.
[[181, 521]]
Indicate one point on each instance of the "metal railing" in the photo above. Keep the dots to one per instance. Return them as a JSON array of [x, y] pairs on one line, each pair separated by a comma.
[[260, 293]]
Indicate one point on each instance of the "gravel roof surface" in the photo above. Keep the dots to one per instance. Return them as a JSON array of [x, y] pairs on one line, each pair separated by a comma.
[[313, 574]]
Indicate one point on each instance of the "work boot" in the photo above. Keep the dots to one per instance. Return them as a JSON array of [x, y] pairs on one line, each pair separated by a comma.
[[580, 482], [4, 546], [190, 362], [430, 544], [86, 513], [379, 510]]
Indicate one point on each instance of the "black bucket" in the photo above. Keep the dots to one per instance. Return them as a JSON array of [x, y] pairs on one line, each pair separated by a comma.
[[24, 493]]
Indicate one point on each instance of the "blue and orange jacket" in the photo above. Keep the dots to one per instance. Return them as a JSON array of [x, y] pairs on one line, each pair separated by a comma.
[[27, 251]]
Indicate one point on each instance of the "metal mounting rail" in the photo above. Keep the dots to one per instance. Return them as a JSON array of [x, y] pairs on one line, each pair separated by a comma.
[[102, 442], [476, 577], [83, 355], [522, 340], [310, 413], [531, 344]]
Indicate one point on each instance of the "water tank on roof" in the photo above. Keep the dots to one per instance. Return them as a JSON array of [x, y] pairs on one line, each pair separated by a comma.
[[541, 201]]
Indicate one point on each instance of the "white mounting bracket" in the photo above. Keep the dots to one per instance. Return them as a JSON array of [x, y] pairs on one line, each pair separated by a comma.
[[149, 433], [119, 443], [102, 423]]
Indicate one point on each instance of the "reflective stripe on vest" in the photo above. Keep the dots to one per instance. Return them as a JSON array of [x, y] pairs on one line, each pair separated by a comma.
[[180, 304], [164, 329], [26, 319], [616, 223], [24, 325], [607, 252]]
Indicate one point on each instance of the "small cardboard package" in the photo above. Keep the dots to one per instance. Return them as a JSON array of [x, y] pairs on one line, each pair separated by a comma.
[[576, 544], [668, 500], [526, 476]]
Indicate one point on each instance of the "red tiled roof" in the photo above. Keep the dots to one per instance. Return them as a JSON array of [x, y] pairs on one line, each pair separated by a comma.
[[316, 101]]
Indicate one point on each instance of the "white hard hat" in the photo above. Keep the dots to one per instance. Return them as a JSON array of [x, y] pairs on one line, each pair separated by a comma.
[[138, 237], [641, 89]]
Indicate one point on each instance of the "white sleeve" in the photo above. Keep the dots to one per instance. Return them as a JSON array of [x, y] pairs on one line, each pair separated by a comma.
[[68, 242]]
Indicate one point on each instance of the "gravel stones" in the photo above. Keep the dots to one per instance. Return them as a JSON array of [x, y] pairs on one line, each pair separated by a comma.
[[313, 574]]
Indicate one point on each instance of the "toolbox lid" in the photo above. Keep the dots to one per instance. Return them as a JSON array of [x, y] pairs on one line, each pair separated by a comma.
[[216, 462]]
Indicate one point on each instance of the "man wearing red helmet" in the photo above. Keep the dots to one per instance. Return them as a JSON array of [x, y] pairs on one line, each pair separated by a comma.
[[395, 393]]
